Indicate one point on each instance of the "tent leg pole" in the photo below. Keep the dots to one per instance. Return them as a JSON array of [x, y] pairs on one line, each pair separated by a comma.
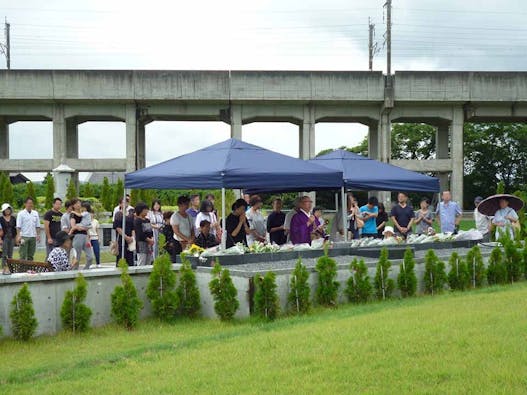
[[223, 231], [124, 223], [336, 202], [344, 213]]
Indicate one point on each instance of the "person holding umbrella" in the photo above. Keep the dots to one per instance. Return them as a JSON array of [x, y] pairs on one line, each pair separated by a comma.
[[503, 207]]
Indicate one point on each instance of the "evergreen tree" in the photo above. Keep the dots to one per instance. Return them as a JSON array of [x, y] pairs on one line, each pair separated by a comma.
[[187, 291], [30, 191], [266, 302], [327, 290], [459, 274], [496, 270], [512, 258], [384, 286], [134, 196], [161, 289], [118, 191], [71, 192], [87, 190], [406, 279], [106, 195], [23, 321], [74, 312], [359, 288], [224, 293], [50, 190], [435, 276], [299, 289], [8, 193], [3, 178], [126, 305], [476, 267]]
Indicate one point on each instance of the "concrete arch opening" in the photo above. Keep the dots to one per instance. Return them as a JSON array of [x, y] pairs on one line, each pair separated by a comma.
[[332, 135], [29, 140], [101, 139], [281, 137]]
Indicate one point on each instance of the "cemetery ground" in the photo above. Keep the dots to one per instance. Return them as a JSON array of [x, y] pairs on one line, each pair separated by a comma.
[[472, 342]]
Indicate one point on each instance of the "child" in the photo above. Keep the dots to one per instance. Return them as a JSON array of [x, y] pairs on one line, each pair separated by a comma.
[[86, 215], [205, 239], [319, 231], [388, 232]]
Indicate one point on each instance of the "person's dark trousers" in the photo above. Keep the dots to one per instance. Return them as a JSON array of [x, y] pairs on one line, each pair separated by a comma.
[[364, 235], [128, 256], [96, 251]]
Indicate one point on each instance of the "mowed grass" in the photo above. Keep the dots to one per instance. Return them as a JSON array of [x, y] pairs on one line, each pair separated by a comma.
[[471, 342]]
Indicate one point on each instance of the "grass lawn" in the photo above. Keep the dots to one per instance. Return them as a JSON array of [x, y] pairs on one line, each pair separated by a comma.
[[455, 343]]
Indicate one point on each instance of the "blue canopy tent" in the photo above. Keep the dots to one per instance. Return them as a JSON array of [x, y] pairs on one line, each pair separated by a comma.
[[237, 165]]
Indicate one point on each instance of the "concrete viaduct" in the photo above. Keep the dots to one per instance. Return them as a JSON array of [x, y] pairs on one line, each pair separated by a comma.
[[443, 99]]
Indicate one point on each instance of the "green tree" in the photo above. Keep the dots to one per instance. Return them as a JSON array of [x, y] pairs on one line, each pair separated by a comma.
[[496, 270], [384, 286], [87, 190], [327, 289], [161, 289], [134, 196], [413, 141], [71, 192], [266, 302], [118, 191], [3, 178], [50, 190], [476, 267], [126, 304], [106, 195], [23, 321], [406, 279], [9, 195], [459, 275], [359, 288], [30, 191], [299, 290], [435, 277], [187, 291], [512, 258], [224, 293], [74, 313]]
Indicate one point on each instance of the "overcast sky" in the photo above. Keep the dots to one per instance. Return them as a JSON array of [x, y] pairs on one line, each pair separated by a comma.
[[266, 34]]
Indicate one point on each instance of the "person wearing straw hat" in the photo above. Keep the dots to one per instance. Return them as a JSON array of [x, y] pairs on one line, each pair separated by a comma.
[[388, 232], [504, 218], [7, 235]]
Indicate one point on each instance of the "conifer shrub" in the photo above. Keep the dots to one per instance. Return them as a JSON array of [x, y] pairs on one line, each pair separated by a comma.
[[126, 305], [266, 301], [327, 290], [435, 276], [496, 270], [359, 288], [476, 267], [23, 321], [524, 258], [406, 279], [187, 291], [224, 293], [384, 286], [299, 290], [459, 275], [161, 289], [512, 258], [74, 313]]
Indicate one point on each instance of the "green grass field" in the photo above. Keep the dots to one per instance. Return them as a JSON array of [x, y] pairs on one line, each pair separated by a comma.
[[472, 342]]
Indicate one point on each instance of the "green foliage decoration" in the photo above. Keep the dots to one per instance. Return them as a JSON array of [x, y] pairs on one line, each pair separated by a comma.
[[406, 279], [459, 275], [126, 304], [327, 289], [384, 286], [266, 302], [359, 288], [187, 291], [299, 290], [161, 289], [224, 293], [74, 313], [23, 321], [435, 277]]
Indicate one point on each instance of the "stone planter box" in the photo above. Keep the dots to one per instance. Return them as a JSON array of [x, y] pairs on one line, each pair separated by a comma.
[[394, 252]]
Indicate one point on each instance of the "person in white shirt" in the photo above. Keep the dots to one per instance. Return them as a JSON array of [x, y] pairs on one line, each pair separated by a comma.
[[256, 222], [28, 230], [483, 222], [206, 213], [118, 207], [93, 233]]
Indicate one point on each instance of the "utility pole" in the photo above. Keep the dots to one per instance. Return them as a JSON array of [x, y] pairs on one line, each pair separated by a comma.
[[388, 6], [370, 44], [6, 48]]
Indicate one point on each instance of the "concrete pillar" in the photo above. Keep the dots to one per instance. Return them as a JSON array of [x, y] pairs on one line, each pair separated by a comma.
[[456, 181], [442, 142], [72, 138], [4, 139], [306, 135], [444, 183], [384, 150], [59, 135], [373, 141], [141, 145], [131, 138], [236, 121]]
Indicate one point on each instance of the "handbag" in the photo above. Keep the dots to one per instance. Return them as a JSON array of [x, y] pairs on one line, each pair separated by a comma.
[[114, 248]]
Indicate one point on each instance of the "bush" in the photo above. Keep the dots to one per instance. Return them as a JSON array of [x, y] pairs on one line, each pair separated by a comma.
[[224, 293], [266, 302], [475, 267], [359, 287], [512, 258], [187, 291], [161, 289], [524, 258], [327, 290], [459, 275], [299, 289], [23, 321], [125, 302], [384, 286], [406, 279], [496, 271], [74, 313], [435, 276]]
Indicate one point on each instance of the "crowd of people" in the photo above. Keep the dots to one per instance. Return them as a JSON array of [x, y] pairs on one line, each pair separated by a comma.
[[73, 231]]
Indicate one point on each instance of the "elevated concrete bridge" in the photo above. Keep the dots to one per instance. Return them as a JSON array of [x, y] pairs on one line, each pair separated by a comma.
[[443, 99]]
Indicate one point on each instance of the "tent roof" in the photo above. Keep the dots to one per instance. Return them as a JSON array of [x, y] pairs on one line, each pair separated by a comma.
[[364, 173], [235, 164]]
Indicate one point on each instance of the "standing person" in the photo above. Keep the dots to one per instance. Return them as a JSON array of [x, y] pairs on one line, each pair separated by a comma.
[[80, 223], [236, 224], [28, 230], [155, 216], [210, 197], [193, 210], [448, 214], [275, 224], [424, 218], [119, 206], [7, 235], [247, 199], [354, 217], [127, 235], [168, 232], [302, 222], [483, 222], [256, 221], [65, 220], [504, 218], [206, 213], [93, 233], [183, 225], [289, 217], [52, 224], [369, 213], [381, 220], [402, 215], [144, 235]]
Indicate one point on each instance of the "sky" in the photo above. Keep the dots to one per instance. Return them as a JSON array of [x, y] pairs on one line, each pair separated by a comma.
[[236, 35]]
